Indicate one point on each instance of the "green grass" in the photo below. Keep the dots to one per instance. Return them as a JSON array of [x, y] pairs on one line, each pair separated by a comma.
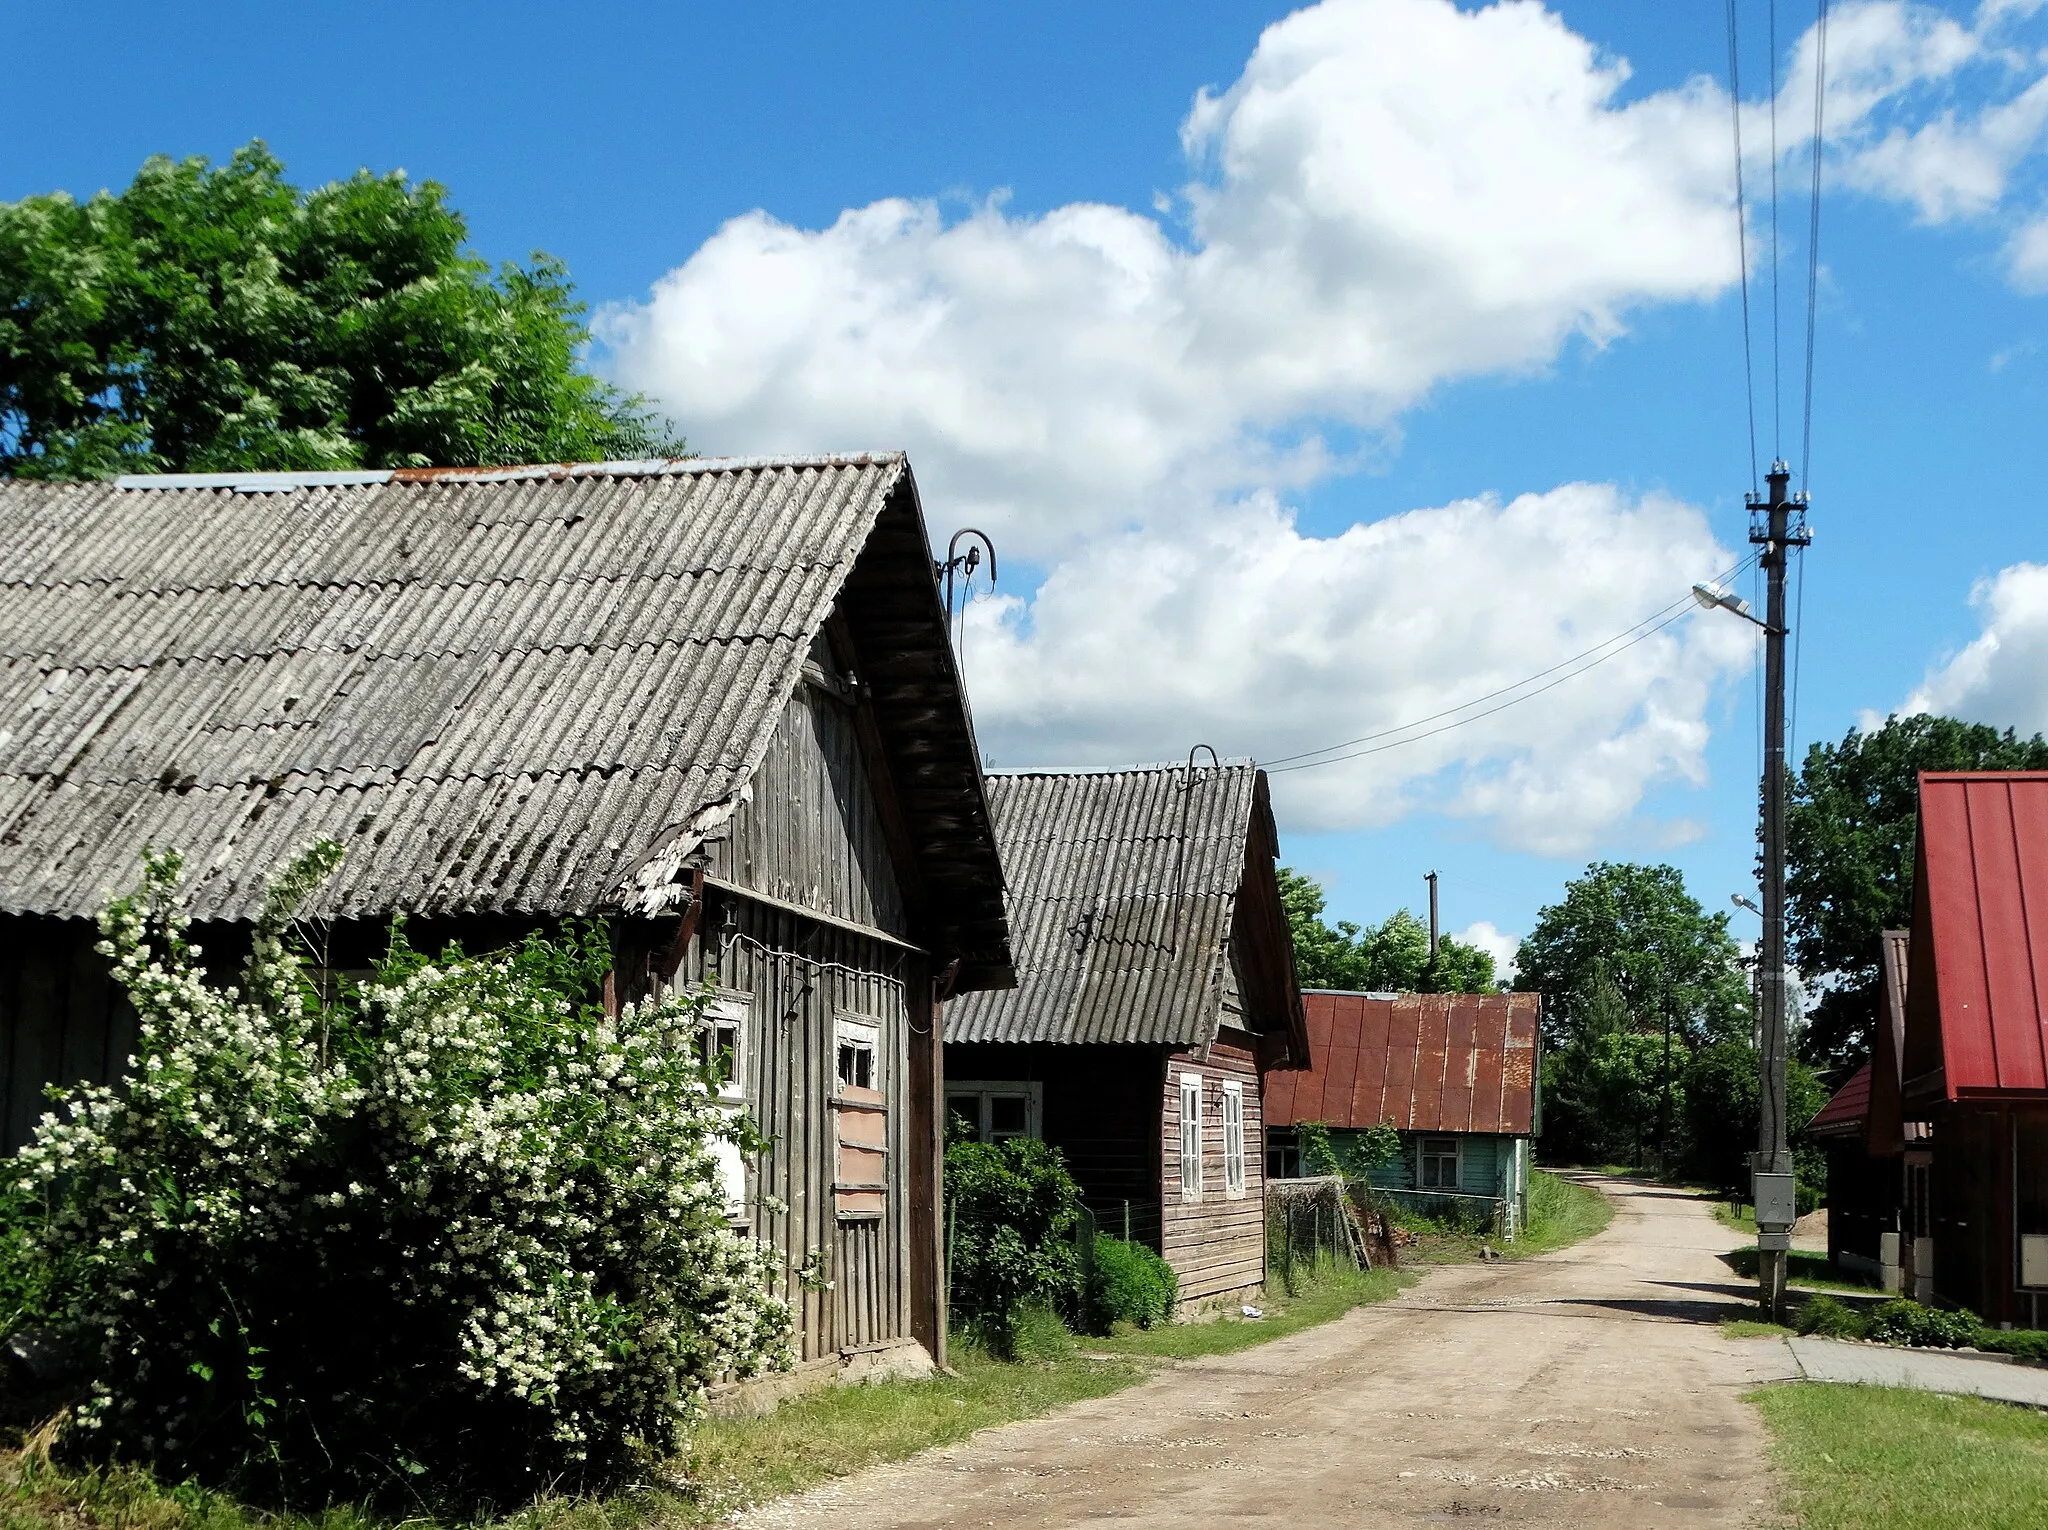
[[1561, 1213], [1802, 1268], [1750, 1328], [1878, 1458], [732, 1463], [1741, 1218]]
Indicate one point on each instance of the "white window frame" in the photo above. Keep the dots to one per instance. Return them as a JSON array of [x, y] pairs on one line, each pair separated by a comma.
[[1456, 1155], [1191, 1137], [862, 1034], [735, 1010], [984, 1090], [1233, 1140]]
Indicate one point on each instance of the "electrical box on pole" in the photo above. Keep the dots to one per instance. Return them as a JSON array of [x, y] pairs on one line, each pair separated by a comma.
[[1777, 523]]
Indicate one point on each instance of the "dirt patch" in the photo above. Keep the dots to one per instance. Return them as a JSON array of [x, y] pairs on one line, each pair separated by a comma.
[[1590, 1387]]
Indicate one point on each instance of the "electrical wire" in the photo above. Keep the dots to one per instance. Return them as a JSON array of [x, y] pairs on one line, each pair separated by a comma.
[[1642, 631], [1820, 95], [1742, 237]]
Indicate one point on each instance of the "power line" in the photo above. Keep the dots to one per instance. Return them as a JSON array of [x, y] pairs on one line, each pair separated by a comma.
[[1647, 628], [1777, 390], [1820, 95], [1742, 236]]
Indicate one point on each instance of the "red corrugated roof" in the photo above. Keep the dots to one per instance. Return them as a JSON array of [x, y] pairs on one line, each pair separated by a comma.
[[1433, 1062], [1843, 1115], [1981, 933]]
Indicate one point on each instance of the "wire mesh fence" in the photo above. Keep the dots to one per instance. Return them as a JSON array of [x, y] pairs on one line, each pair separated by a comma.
[[1324, 1222]]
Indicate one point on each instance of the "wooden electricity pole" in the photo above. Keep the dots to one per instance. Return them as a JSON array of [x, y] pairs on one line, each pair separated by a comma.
[[1777, 523]]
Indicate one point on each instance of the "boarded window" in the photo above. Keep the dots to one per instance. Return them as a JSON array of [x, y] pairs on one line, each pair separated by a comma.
[[860, 1185], [721, 1048], [1233, 1140], [994, 1112], [1191, 1136], [1439, 1164]]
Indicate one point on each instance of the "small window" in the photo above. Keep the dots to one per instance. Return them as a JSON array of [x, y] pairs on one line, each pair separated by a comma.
[[1439, 1163], [860, 1188], [856, 1062], [718, 1049], [1191, 1136], [994, 1112], [1233, 1140], [721, 1049], [1283, 1155]]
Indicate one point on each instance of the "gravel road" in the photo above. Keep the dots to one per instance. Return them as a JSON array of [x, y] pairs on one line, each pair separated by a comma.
[[1585, 1388]]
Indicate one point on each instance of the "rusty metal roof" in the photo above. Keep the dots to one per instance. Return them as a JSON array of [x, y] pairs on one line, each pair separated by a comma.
[[1845, 1114], [1426, 1062], [1976, 1018], [1105, 950], [499, 687]]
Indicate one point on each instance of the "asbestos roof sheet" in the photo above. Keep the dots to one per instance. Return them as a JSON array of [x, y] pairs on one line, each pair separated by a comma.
[[1844, 1115], [1983, 912], [1123, 885], [1427, 1062], [499, 688]]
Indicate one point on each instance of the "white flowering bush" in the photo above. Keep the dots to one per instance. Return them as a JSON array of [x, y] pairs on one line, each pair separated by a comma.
[[460, 1234]]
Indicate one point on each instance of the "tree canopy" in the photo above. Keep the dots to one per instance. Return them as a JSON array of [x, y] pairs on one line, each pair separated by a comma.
[[1390, 957], [219, 319], [1627, 947], [1849, 833]]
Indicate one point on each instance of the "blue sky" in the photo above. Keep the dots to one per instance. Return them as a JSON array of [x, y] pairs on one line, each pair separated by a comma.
[[1252, 391]]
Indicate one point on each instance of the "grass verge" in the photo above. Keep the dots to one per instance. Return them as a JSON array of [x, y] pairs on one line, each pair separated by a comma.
[[1802, 1268], [1561, 1213], [736, 1462], [1880, 1458]]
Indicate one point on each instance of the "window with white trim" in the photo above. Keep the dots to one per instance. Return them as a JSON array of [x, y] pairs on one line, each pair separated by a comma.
[[721, 1048], [1191, 1136], [860, 1187], [995, 1111], [1233, 1140], [1439, 1167]]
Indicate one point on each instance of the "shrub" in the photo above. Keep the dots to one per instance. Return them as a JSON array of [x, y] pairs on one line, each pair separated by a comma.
[[2023, 1343], [1827, 1318], [1130, 1284], [1012, 1209], [462, 1236], [1907, 1322]]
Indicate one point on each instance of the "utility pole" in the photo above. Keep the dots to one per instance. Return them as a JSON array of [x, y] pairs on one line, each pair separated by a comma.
[[1777, 523], [1430, 878]]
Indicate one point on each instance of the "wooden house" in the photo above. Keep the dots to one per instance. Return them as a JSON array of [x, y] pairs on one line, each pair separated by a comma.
[[1455, 1074], [1877, 1160], [709, 701], [1976, 1038], [1155, 990]]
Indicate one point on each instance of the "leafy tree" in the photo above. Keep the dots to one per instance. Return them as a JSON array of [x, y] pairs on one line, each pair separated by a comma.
[[1014, 1209], [1720, 1117], [1390, 957], [217, 318], [1849, 835], [1634, 929]]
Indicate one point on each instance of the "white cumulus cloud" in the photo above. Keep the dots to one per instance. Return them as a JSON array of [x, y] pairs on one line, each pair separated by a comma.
[[1496, 942], [2001, 677]]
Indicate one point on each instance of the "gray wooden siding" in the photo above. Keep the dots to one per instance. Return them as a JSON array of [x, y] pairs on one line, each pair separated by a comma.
[[1215, 1244], [62, 1020], [811, 835], [796, 990]]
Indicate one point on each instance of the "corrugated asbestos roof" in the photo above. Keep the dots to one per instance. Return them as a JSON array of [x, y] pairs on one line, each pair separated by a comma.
[[1845, 1114], [498, 687], [1105, 952], [1982, 909], [1426, 1062]]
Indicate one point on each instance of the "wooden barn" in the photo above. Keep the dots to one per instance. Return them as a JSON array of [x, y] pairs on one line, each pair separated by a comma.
[[1454, 1073], [709, 701], [1155, 990], [1976, 1038]]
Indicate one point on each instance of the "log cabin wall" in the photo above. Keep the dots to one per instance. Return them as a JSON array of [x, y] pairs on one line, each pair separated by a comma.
[[62, 1018], [1217, 1243], [1099, 1105]]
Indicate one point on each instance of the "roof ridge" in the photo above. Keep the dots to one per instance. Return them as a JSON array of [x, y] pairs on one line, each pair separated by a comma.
[[630, 467]]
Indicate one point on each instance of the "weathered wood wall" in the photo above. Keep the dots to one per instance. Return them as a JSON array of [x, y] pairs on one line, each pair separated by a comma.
[[62, 1020], [1100, 1109], [812, 834], [1217, 1244]]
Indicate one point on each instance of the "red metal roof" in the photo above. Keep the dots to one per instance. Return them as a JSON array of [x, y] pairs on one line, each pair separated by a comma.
[[1433, 1062], [1980, 933], [1843, 1115]]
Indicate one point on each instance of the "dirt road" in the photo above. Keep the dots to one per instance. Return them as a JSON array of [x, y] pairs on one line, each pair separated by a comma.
[[1586, 1388]]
